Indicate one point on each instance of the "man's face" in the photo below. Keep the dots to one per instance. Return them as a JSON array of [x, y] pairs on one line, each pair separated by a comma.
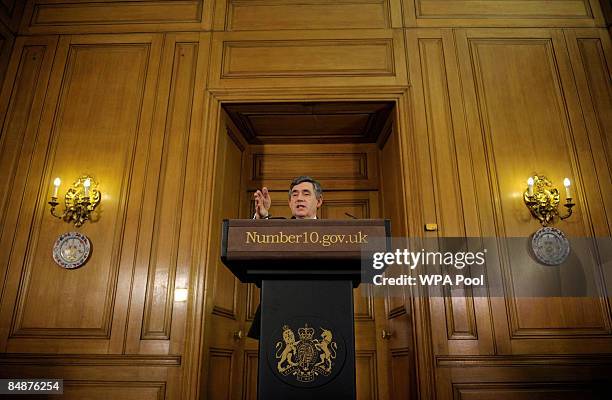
[[303, 201]]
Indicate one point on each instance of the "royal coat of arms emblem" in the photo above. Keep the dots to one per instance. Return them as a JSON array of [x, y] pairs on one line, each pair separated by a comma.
[[307, 358]]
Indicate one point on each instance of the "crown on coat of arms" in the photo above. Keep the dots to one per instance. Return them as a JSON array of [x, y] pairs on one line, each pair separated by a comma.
[[306, 333]]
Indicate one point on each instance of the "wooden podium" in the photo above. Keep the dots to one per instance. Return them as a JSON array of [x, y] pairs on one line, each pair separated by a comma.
[[306, 270]]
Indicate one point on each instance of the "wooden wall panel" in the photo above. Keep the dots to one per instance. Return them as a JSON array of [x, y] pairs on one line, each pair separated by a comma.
[[504, 8], [95, 377], [292, 14], [606, 8], [308, 58], [21, 100], [80, 123], [590, 51], [524, 391], [502, 13], [460, 322], [10, 13], [114, 390], [510, 136], [115, 12], [598, 80], [444, 159], [225, 287], [401, 360], [6, 46], [225, 296], [90, 112], [220, 374], [163, 263], [360, 205], [84, 16], [535, 103], [291, 58], [529, 378], [156, 319], [251, 364], [511, 99], [365, 371], [335, 166]]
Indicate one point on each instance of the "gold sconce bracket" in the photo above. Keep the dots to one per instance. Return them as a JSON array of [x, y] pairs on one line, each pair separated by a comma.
[[543, 200], [80, 201]]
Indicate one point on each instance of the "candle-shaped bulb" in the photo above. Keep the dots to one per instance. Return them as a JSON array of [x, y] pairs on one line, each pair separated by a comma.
[[566, 183], [530, 186], [86, 185], [56, 185]]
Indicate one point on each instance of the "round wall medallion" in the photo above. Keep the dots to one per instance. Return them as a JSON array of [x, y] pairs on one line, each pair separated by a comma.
[[550, 246], [71, 250]]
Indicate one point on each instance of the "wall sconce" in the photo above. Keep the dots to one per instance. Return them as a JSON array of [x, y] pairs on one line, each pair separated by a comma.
[[542, 199], [80, 200]]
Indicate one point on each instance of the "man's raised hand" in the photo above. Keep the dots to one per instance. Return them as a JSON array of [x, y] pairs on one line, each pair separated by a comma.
[[262, 203]]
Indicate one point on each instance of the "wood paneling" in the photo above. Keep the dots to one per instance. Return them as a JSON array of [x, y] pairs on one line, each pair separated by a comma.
[[251, 361], [335, 166], [536, 378], [307, 58], [114, 390], [116, 12], [285, 59], [266, 15], [96, 104], [96, 378], [89, 16], [85, 16], [504, 8], [226, 297], [157, 321], [21, 100], [6, 46], [365, 371], [502, 13], [606, 8], [525, 391], [445, 166], [337, 205], [225, 289], [95, 285], [401, 384], [589, 52], [89, 111], [220, 374], [10, 14], [446, 185], [170, 197], [483, 109], [524, 96], [503, 118]]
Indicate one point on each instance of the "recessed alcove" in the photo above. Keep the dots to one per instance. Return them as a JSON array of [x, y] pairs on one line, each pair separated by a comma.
[[353, 149]]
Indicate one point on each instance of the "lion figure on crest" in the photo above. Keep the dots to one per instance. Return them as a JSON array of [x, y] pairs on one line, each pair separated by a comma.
[[326, 346], [288, 352]]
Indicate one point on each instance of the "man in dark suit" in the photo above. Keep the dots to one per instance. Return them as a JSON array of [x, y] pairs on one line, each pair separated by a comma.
[[305, 198]]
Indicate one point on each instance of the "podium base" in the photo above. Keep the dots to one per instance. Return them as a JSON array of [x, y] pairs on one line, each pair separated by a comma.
[[307, 341]]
